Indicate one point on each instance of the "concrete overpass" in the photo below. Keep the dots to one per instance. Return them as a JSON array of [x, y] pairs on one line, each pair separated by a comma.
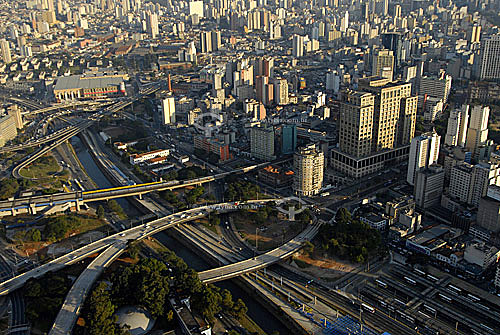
[[60, 201], [74, 130], [135, 233], [73, 104], [75, 298], [261, 261]]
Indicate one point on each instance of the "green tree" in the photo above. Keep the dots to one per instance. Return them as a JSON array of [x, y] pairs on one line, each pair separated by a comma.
[[342, 215], [8, 188], [133, 249], [35, 235], [101, 318], [227, 301], [100, 211], [308, 248], [239, 309]]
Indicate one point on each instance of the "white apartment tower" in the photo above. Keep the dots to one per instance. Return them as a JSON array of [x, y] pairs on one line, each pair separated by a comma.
[[308, 165], [6, 57], [470, 183], [477, 133], [298, 46], [456, 133], [152, 25], [168, 110], [424, 151], [489, 66]]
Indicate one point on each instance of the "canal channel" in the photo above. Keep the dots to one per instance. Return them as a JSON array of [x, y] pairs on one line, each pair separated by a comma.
[[256, 311]]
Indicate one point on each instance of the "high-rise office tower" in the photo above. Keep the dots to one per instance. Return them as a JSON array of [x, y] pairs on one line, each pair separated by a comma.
[[383, 64], [152, 25], [475, 36], [332, 81], [385, 7], [6, 57], [356, 122], [308, 165], [298, 46], [216, 40], [376, 125], [407, 120], [424, 151], [488, 214], [262, 143], [168, 109], [394, 41], [288, 139], [206, 42], [477, 133], [429, 184], [437, 87], [265, 66], [387, 109], [489, 66], [456, 133]]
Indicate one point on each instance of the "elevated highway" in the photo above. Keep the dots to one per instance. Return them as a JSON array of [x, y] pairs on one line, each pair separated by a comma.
[[74, 130], [134, 233], [74, 300], [260, 261], [34, 204]]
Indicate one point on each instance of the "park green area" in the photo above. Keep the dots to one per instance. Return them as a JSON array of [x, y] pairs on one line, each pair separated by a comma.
[[348, 238], [149, 283]]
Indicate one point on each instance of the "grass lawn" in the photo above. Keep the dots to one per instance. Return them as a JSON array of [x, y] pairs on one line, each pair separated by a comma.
[[44, 167]]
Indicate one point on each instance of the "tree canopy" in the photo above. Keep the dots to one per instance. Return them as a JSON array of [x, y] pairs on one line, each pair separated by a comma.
[[349, 238]]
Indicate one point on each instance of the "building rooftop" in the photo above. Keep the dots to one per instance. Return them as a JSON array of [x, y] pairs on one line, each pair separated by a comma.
[[77, 81]]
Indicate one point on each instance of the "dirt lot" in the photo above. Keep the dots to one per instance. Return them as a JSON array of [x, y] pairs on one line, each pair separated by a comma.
[[324, 268], [271, 234]]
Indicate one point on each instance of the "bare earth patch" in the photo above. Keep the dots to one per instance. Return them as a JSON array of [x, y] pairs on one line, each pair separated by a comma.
[[325, 268]]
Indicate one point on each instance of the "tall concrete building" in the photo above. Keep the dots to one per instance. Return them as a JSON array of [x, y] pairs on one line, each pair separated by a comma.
[[6, 56], [407, 120], [262, 142], [288, 139], [216, 40], [167, 110], [355, 123], [8, 129], [308, 166], [429, 184], [152, 25], [488, 214], [205, 42], [298, 46], [475, 36], [424, 151], [281, 91], [437, 87], [489, 64], [477, 133], [15, 111], [383, 64], [394, 41], [469, 183], [388, 129], [458, 121]]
